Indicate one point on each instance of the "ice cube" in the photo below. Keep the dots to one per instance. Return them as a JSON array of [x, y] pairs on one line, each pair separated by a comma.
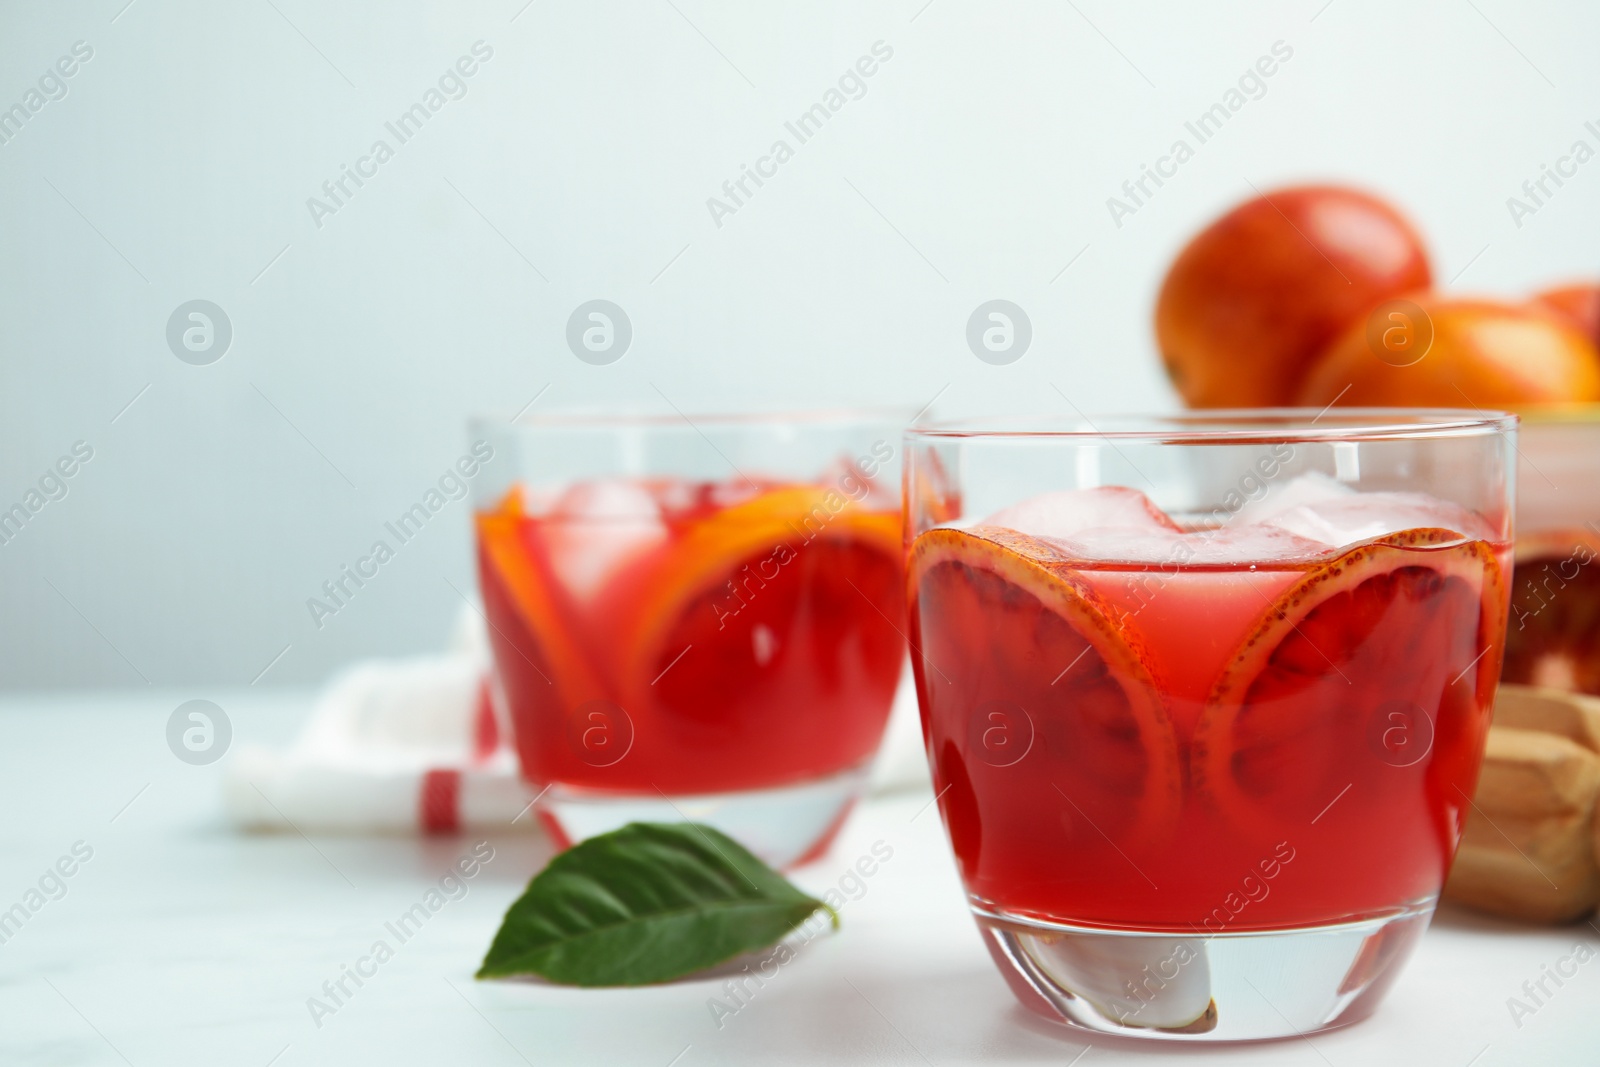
[[676, 497], [1306, 518], [538, 499], [1114, 524], [734, 491], [1066, 513], [1345, 520], [1250, 544], [1166, 548], [597, 528], [1311, 488], [610, 498]]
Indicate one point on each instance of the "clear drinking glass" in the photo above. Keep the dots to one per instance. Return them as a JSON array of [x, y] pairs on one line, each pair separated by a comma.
[[1205, 698], [695, 618], [1554, 636]]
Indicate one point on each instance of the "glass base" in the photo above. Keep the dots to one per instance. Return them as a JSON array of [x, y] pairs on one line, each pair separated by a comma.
[[785, 826], [1244, 986]]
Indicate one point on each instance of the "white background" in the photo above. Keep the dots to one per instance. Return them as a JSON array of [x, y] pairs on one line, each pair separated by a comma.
[[976, 166]]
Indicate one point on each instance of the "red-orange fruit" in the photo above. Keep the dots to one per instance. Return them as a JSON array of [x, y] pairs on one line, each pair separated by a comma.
[[1442, 351], [1259, 293], [1578, 304]]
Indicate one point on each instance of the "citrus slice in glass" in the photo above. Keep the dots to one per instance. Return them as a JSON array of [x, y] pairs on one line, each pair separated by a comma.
[[746, 607], [1023, 672], [1371, 669], [514, 570]]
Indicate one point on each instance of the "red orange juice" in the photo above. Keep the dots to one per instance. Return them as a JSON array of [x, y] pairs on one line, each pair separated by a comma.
[[1161, 726]]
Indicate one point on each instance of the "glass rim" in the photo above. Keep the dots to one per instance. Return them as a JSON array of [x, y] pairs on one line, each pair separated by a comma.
[[1227, 426], [613, 418]]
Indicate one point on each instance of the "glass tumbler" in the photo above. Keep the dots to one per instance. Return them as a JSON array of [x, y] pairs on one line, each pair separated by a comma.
[[695, 618], [1554, 635], [1205, 698]]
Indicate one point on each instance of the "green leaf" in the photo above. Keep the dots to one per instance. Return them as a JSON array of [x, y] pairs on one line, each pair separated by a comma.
[[647, 903]]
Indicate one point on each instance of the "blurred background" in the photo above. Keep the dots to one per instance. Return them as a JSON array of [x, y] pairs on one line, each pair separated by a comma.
[[538, 156]]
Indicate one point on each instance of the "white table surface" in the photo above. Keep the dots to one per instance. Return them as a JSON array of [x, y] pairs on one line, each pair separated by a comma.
[[182, 942]]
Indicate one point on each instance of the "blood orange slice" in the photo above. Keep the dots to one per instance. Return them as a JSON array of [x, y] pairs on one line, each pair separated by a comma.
[[1026, 681], [723, 563], [514, 574], [1378, 661], [1554, 635], [548, 678], [764, 642]]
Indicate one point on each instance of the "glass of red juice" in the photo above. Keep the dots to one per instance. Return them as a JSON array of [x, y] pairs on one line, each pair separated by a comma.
[[695, 618], [1553, 638], [1205, 698]]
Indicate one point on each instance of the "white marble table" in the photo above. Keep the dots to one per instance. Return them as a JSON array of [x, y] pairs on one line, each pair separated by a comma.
[[180, 942]]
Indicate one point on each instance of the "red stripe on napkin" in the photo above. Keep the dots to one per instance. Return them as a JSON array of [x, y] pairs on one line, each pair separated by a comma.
[[440, 802]]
